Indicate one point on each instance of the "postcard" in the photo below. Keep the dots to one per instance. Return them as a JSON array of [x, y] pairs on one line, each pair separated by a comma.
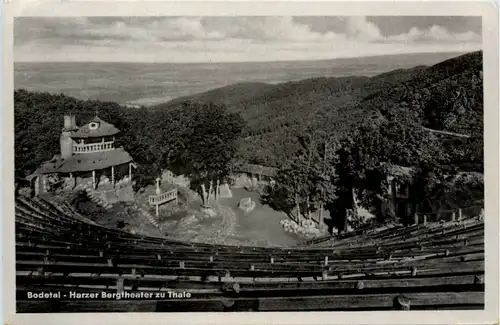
[[250, 162]]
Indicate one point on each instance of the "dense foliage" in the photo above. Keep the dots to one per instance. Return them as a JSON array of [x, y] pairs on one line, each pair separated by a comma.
[[275, 114], [204, 145], [305, 182]]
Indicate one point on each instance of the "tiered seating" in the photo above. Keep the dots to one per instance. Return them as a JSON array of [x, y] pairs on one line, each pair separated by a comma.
[[438, 266]]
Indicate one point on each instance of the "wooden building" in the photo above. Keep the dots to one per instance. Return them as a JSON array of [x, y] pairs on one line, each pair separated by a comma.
[[87, 155], [251, 175], [399, 205]]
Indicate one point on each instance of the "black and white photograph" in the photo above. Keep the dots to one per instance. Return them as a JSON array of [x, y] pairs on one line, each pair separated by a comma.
[[281, 163]]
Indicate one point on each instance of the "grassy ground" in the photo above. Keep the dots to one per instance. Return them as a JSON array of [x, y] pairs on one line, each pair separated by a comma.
[[230, 225], [260, 226], [186, 221]]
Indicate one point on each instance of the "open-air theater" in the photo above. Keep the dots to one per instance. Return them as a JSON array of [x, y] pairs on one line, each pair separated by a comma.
[[432, 264]]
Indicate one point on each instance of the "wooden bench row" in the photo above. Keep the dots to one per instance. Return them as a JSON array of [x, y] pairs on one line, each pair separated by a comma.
[[411, 301], [83, 252], [414, 268], [261, 286], [201, 260], [397, 235], [43, 242], [97, 240]]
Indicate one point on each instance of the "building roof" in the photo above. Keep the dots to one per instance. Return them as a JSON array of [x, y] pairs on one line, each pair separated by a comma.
[[257, 169], [85, 162], [104, 129], [399, 171]]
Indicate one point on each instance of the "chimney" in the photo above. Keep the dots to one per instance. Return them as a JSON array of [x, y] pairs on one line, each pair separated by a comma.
[[65, 141], [68, 122]]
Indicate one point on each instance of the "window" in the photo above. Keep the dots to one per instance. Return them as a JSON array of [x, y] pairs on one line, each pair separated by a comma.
[[93, 125], [401, 189]]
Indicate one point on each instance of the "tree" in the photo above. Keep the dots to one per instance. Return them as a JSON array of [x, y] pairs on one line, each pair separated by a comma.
[[320, 178], [205, 143], [365, 158], [285, 194], [303, 182]]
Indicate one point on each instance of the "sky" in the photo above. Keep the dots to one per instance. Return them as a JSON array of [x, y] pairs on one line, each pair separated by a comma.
[[237, 39]]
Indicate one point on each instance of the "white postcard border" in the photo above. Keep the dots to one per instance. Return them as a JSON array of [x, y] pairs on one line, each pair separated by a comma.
[[489, 12]]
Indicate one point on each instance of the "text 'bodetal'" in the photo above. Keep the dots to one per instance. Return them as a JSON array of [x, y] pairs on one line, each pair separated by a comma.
[[109, 295]]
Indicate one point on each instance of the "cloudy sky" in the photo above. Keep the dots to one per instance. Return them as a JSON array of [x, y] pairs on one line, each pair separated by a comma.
[[222, 39]]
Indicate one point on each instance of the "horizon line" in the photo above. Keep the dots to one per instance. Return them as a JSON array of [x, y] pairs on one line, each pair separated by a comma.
[[263, 61]]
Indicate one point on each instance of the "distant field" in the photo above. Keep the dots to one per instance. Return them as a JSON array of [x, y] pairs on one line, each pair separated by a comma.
[[149, 84]]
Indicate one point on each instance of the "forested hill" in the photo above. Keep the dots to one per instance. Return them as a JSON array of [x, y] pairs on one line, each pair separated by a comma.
[[269, 107], [446, 96]]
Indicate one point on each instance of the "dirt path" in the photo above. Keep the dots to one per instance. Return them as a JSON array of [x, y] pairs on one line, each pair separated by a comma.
[[227, 226]]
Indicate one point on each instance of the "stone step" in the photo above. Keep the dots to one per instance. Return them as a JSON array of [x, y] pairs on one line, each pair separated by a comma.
[[94, 197], [147, 215]]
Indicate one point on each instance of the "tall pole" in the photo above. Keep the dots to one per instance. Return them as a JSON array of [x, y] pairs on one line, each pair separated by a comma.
[[38, 185], [113, 176], [158, 190], [320, 221], [73, 179]]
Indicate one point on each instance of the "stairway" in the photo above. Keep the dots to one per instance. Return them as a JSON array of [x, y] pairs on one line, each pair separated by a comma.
[[143, 208], [94, 196], [143, 211]]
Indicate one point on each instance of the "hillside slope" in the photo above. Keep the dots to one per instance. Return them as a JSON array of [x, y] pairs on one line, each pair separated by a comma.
[[274, 113], [446, 96], [259, 102]]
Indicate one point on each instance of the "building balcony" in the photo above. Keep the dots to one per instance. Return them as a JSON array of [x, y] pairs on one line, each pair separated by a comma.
[[93, 147]]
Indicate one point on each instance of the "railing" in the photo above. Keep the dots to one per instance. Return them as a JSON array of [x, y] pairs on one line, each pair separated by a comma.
[[93, 147], [458, 214], [162, 198]]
